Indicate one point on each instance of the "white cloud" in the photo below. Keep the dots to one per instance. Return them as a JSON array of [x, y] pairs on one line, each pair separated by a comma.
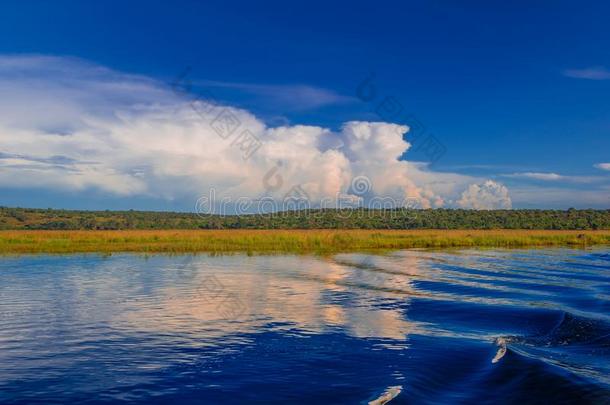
[[603, 166], [591, 73], [292, 96], [553, 177], [486, 196], [66, 124], [537, 176]]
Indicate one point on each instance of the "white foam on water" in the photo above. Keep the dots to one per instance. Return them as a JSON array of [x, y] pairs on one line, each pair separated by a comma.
[[501, 342], [389, 394]]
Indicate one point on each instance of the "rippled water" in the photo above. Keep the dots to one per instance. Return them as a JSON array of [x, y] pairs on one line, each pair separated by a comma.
[[505, 326]]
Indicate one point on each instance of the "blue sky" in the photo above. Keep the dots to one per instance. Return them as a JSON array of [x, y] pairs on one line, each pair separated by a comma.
[[516, 93]]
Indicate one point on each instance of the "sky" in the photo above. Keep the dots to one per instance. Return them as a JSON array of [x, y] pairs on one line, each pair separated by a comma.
[[196, 105]]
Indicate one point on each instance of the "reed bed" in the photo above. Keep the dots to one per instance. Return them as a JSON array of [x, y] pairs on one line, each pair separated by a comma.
[[288, 241]]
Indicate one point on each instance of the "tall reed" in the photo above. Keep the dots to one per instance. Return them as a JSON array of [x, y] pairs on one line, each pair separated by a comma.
[[291, 241]]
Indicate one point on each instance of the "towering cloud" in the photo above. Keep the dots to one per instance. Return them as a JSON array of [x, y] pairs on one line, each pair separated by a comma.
[[68, 124], [486, 196]]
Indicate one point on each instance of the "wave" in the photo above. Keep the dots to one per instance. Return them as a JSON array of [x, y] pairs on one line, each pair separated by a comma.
[[574, 353], [570, 330]]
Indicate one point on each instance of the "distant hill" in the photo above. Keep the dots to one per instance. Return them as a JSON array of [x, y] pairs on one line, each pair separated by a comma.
[[25, 218]]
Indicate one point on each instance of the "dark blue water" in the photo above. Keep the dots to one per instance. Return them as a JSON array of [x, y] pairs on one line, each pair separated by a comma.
[[475, 326]]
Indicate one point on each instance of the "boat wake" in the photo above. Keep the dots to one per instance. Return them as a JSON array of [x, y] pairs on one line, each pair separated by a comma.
[[571, 330]]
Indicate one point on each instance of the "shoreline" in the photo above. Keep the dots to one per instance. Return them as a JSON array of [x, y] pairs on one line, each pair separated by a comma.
[[285, 241]]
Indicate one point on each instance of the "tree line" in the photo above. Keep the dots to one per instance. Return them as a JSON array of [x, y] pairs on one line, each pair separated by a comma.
[[53, 219]]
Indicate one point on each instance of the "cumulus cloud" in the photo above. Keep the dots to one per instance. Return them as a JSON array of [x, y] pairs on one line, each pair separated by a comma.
[[486, 196], [603, 166], [66, 124]]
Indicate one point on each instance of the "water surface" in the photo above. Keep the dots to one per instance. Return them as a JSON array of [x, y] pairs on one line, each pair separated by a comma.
[[463, 326]]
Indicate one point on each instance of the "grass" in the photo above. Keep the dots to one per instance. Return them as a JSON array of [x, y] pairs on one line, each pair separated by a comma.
[[289, 241]]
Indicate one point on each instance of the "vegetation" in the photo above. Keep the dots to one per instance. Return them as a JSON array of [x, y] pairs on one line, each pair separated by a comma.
[[23, 218], [291, 241], [315, 231]]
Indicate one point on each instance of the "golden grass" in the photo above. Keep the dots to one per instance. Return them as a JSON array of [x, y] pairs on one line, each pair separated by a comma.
[[290, 241]]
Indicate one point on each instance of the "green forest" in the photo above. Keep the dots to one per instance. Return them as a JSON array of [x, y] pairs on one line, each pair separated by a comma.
[[49, 219]]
